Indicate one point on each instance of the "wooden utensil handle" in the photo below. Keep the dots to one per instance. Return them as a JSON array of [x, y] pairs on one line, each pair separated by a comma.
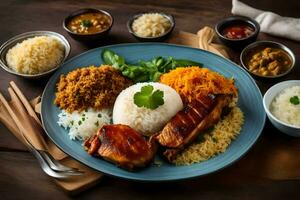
[[6, 119], [25, 102], [24, 128]]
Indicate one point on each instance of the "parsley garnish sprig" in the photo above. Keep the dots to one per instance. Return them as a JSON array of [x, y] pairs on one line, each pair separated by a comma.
[[294, 100], [148, 98], [86, 23]]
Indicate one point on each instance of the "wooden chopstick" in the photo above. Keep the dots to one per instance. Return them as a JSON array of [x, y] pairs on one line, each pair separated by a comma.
[[47, 144], [25, 102], [10, 111], [35, 104], [25, 127], [32, 130], [16, 107], [56, 152], [6, 119]]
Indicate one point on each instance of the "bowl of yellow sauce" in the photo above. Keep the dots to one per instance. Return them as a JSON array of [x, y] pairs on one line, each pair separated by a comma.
[[267, 59]]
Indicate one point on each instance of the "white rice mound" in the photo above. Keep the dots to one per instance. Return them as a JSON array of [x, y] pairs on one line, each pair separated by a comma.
[[84, 124], [144, 120], [283, 109], [35, 55]]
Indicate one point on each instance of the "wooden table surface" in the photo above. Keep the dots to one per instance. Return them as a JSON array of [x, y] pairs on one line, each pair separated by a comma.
[[21, 176]]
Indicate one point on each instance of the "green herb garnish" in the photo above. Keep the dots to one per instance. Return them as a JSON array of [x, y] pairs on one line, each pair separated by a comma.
[[149, 99], [99, 115], [110, 58], [295, 100], [144, 71], [86, 23], [79, 122], [97, 123]]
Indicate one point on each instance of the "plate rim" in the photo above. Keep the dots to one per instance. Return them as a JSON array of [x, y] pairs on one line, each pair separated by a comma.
[[166, 179]]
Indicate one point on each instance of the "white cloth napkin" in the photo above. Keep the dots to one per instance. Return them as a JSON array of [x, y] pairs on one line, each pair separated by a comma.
[[270, 22]]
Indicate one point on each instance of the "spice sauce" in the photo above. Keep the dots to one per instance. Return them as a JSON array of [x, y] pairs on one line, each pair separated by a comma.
[[269, 62], [238, 31], [89, 23]]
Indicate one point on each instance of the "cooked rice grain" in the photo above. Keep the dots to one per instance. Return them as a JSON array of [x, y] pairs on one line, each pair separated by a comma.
[[151, 25], [215, 142], [35, 55], [283, 109]]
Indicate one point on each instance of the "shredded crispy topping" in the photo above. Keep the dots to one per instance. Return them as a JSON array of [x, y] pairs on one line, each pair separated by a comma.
[[95, 87], [195, 83]]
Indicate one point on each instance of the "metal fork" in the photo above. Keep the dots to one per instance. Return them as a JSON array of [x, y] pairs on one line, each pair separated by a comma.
[[50, 166], [54, 164]]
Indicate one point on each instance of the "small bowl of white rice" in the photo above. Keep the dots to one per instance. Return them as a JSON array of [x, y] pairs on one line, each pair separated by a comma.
[[151, 26], [282, 105], [34, 54]]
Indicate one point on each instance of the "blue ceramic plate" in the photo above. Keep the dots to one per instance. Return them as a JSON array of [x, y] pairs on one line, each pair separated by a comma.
[[250, 101]]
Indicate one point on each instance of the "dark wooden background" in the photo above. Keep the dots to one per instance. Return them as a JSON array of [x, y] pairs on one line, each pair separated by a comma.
[[21, 176]]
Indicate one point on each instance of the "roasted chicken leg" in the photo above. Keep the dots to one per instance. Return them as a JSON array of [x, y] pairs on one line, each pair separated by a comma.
[[188, 123], [121, 145]]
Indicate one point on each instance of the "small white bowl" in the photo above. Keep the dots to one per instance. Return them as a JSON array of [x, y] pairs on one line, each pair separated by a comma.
[[269, 96]]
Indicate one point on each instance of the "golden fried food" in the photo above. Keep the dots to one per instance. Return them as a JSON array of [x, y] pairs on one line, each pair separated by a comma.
[[187, 124], [121, 145], [95, 87], [206, 94]]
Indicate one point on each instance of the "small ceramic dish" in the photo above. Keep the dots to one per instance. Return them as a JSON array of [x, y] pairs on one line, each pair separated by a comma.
[[91, 37], [237, 43], [20, 38], [252, 48], [269, 96], [151, 39]]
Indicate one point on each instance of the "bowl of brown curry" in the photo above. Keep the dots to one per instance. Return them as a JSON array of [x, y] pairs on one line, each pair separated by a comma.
[[267, 59], [88, 24]]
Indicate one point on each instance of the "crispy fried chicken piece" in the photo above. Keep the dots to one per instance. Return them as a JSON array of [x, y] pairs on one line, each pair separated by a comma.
[[121, 145], [188, 123]]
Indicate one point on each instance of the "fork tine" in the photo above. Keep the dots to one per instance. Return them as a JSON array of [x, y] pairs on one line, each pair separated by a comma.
[[55, 165], [43, 163], [46, 167], [52, 163]]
